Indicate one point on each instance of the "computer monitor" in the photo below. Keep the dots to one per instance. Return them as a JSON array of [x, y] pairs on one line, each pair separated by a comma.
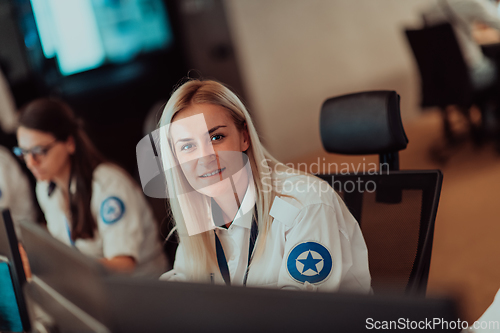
[[10, 251], [158, 306], [55, 313], [115, 32], [125, 304], [63, 275]]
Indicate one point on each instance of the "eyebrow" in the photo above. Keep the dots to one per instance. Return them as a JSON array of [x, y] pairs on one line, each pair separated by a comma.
[[36, 146], [210, 131]]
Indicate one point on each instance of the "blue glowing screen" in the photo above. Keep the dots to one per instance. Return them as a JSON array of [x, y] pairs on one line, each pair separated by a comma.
[[84, 34]]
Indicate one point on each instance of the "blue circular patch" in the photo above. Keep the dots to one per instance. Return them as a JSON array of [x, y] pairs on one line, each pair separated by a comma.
[[309, 262], [112, 209]]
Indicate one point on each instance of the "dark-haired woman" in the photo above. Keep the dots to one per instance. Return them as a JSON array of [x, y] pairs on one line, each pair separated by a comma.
[[88, 203]]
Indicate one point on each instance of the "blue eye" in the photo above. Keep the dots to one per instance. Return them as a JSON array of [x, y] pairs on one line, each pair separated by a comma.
[[39, 150], [217, 137], [187, 146]]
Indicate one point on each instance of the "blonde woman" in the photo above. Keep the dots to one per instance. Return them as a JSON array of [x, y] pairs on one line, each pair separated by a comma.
[[242, 217]]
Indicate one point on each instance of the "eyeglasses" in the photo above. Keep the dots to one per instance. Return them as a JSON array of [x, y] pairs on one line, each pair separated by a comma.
[[36, 152]]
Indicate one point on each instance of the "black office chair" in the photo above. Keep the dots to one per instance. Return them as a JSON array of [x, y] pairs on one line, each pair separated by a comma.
[[396, 209], [445, 79]]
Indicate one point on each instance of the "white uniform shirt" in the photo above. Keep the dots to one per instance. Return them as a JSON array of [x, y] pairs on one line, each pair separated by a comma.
[[235, 239], [125, 222], [314, 243], [15, 192]]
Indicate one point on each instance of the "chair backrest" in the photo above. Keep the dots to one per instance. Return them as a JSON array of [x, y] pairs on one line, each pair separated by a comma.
[[367, 122], [396, 211], [445, 78]]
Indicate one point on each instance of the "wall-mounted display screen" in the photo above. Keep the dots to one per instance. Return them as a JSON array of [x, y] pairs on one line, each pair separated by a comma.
[[85, 34]]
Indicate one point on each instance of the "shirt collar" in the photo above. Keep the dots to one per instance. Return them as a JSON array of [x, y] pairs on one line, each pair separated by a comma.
[[50, 188], [244, 215]]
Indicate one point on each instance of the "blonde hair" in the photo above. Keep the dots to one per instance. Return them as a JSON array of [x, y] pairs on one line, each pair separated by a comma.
[[199, 249]]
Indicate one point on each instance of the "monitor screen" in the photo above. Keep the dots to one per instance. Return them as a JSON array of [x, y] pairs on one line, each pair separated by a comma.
[[85, 34], [159, 306], [12, 277], [124, 304]]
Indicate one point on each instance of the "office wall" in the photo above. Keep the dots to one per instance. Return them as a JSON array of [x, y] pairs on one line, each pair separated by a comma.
[[294, 54]]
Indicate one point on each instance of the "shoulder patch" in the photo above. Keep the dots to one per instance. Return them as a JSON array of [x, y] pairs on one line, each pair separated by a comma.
[[112, 210], [309, 262]]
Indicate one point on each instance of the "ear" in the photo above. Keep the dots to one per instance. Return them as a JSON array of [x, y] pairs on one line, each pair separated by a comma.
[[70, 145], [245, 143]]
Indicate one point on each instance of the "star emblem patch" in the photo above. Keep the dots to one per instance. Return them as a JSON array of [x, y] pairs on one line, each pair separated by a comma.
[[112, 209], [309, 262]]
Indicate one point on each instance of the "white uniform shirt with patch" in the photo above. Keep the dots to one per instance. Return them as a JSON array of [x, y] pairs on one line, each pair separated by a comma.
[[314, 243], [15, 192], [125, 222]]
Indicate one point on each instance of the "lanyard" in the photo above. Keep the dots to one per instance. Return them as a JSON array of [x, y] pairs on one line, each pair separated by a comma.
[[68, 230], [221, 257]]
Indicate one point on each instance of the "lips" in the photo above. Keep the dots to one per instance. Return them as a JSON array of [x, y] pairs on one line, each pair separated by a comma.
[[213, 173]]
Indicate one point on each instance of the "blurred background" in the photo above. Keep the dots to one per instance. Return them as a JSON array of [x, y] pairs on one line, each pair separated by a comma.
[[116, 61]]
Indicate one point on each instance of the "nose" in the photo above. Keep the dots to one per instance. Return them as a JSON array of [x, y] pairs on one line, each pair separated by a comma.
[[207, 155], [30, 160], [207, 160]]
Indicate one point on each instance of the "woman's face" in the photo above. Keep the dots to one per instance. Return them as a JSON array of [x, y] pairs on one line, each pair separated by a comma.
[[46, 157], [209, 147]]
